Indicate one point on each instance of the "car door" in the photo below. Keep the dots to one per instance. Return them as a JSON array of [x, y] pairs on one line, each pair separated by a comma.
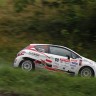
[[62, 58], [75, 62]]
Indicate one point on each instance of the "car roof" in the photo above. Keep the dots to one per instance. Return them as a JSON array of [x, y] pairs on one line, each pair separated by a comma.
[[40, 44]]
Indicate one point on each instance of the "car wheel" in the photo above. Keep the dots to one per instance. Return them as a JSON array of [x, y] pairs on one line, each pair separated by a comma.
[[27, 65], [86, 72]]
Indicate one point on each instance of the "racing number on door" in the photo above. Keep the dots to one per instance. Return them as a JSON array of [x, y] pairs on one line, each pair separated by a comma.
[[57, 59]]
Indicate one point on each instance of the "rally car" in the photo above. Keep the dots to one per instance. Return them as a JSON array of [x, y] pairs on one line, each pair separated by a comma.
[[54, 57]]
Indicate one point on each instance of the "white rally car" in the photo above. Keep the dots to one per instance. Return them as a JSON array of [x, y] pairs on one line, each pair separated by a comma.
[[54, 57]]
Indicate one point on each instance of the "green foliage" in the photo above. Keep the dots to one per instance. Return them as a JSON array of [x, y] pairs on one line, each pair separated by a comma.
[[2, 3], [69, 16], [21, 4], [71, 23]]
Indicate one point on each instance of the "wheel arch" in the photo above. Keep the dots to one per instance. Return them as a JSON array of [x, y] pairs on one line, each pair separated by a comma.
[[88, 67], [28, 58]]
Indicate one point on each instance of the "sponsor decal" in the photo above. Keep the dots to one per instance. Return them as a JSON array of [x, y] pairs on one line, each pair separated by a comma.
[[74, 60], [33, 49], [64, 60], [35, 54], [74, 63]]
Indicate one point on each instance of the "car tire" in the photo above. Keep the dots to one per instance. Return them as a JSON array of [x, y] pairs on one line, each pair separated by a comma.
[[86, 72], [27, 65]]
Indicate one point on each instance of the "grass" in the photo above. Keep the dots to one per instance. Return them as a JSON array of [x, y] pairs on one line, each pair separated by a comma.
[[44, 83]]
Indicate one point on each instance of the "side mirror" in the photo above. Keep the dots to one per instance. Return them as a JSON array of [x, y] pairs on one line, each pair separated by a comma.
[[68, 56]]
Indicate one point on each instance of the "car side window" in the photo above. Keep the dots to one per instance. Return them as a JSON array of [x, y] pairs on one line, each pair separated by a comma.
[[42, 48], [60, 51], [74, 56]]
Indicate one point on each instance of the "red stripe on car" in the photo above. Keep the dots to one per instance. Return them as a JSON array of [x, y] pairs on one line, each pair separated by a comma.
[[50, 61]]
